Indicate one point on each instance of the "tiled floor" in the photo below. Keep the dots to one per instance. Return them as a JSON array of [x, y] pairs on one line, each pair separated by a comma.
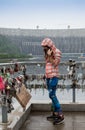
[[37, 121]]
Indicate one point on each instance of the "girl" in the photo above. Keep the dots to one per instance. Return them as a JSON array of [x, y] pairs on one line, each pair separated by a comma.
[[52, 58]]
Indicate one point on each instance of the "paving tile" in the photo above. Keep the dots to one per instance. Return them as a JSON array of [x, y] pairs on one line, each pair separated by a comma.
[[37, 121]]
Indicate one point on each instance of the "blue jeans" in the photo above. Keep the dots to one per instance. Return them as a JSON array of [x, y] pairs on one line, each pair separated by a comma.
[[51, 86]]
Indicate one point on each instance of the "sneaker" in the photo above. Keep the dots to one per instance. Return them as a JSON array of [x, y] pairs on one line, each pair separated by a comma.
[[59, 120], [52, 117]]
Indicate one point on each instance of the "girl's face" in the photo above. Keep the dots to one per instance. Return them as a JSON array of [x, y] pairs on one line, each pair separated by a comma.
[[46, 48]]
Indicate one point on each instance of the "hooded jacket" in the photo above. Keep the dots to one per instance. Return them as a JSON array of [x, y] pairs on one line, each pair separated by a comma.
[[51, 69]]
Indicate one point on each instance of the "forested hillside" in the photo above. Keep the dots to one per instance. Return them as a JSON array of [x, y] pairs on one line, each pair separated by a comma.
[[28, 42], [6, 46]]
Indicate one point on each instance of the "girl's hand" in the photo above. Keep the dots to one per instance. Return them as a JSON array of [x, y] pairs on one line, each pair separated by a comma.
[[49, 52]]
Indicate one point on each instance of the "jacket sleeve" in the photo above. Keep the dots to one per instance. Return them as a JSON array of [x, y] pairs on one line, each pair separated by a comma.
[[57, 57]]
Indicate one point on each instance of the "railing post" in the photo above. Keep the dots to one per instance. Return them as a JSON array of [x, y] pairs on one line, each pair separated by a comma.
[[4, 111], [73, 66], [74, 95]]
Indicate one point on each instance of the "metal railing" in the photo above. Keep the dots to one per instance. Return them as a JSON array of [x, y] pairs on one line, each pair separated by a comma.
[[72, 75]]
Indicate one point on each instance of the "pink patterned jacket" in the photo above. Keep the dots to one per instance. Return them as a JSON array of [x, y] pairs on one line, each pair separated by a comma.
[[51, 69]]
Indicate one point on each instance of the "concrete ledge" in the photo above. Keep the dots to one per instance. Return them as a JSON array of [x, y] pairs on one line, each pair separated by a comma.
[[18, 117], [41, 107], [76, 107]]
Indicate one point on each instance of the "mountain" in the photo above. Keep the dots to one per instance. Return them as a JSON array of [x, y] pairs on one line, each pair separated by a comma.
[[6, 46]]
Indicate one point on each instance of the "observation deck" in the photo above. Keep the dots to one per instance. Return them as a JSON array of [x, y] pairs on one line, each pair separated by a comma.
[[37, 109]]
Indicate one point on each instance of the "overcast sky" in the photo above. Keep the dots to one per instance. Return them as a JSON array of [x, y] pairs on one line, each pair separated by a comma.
[[47, 14]]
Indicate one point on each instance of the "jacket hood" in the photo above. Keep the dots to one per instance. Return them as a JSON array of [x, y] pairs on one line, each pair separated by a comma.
[[48, 42]]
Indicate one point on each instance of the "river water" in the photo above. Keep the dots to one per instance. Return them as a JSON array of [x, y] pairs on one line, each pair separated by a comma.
[[64, 95]]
